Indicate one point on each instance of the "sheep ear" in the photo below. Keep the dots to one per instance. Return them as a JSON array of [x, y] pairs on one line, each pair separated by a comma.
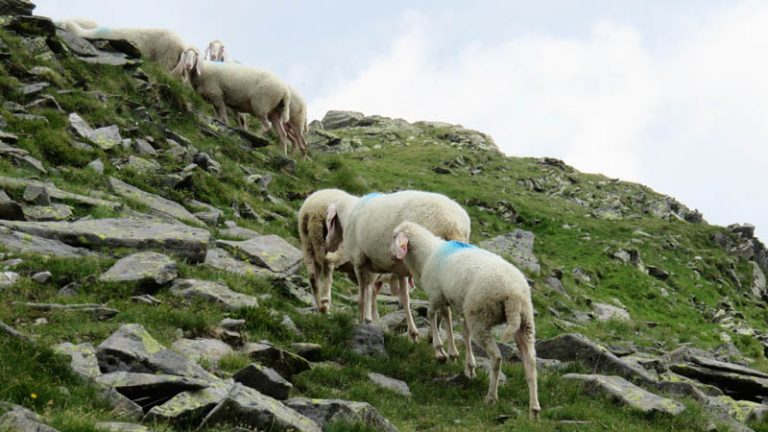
[[330, 216], [401, 240], [198, 65]]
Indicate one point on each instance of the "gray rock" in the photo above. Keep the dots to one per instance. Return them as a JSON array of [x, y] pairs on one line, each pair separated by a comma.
[[8, 278], [605, 312], [629, 394], [42, 277], [327, 411], [36, 194], [158, 204], [734, 380], [76, 44], [368, 340], [122, 407], [518, 246], [106, 137], [206, 350], [56, 193], [264, 379], [221, 259], [232, 324], [206, 162], [147, 268], [138, 165], [143, 147], [20, 156], [16, 7], [575, 347], [132, 349], [190, 407], [83, 359], [188, 242], [758, 280], [286, 363], [9, 209], [120, 427], [395, 385], [657, 272], [269, 251], [341, 119], [149, 389], [245, 406], [20, 419], [45, 101], [310, 351], [234, 231], [29, 244], [34, 88], [97, 165], [44, 213], [215, 291]]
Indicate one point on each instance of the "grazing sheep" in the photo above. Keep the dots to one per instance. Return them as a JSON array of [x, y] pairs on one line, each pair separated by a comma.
[[160, 45], [245, 90], [485, 288], [82, 22], [216, 52], [312, 231], [365, 228]]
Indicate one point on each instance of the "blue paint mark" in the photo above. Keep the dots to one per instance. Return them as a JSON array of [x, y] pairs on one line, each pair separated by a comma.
[[370, 196], [100, 31], [451, 247]]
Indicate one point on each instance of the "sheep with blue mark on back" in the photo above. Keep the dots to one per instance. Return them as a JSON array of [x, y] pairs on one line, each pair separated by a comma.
[[363, 230], [483, 287]]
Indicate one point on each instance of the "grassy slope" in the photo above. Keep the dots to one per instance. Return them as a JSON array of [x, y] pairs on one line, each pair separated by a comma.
[[73, 406]]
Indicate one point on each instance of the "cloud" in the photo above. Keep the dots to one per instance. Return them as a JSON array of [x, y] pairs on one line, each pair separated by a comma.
[[691, 121]]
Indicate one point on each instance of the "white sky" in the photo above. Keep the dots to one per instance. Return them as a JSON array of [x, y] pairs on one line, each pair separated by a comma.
[[673, 95]]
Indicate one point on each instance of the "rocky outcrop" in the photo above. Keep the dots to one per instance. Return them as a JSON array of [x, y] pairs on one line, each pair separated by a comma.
[[518, 246], [629, 394], [19, 419], [265, 380], [146, 268], [327, 411], [159, 205], [270, 252], [215, 291]]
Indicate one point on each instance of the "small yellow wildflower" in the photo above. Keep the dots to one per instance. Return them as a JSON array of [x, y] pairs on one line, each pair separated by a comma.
[[34, 396]]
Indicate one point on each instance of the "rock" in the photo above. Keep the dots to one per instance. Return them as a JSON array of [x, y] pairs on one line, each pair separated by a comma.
[[20, 156], [265, 380], [192, 406], [17, 242], [206, 162], [245, 406], [395, 385], [220, 259], [518, 245], [132, 349], [158, 204], [42, 277], [96, 165], [9, 209], [215, 291], [120, 427], [146, 268], [188, 242], [341, 119], [205, 350], [605, 312], [575, 347], [368, 340], [758, 280], [734, 380], [36, 194], [327, 411], [146, 299], [741, 411], [269, 251], [657, 272], [122, 406], [53, 212], [16, 7], [143, 147], [20, 419], [56, 193], [106, 137], [232, 324], [149, 389], [82, 358], [138, 165], [45, 101], [37, 87], [286, 363], [310, 351], [629, 394], [237, 232], [7, 279]]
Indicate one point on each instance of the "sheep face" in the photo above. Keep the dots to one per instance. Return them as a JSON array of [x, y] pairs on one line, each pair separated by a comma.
[[215, 51], [190, 63]]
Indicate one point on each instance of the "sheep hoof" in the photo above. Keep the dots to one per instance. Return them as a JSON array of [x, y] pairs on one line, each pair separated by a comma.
[[441, 357], [453, 356], [490, 399], [413, 336], [469, 372], [534, 414]]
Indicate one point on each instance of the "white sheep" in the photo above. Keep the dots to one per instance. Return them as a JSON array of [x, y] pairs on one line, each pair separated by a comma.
[[365, 228], [216, 52], [160, 45], [485, 288], [312, 231], [244, 89]]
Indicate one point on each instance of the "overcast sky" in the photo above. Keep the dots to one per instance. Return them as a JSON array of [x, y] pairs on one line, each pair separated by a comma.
[[671, 94]]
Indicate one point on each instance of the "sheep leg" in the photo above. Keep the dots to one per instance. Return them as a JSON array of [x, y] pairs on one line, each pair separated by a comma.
[[323, 288], [277, 125], [453, 352], [242, 121], [375, 290], [435, 306], [525, 344], [221, 110], [405, 302], [469, 365], [485, 340], [362, 300]]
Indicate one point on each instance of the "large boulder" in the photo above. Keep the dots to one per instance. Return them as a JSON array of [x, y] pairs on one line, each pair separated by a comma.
[[147, 268], [191, 243], [629, 394], [82, 357], [16, 7], [191, 407], [214, 291], [284, 362], [270, 252], [327, 411], [159, 205], [220, 259], [106, 137], [368, 340], [340, 119], [19, 419], [518, 246], [265, 380], [205, 350], [395, 385], [23, 243], [149, 389], [734, 380]]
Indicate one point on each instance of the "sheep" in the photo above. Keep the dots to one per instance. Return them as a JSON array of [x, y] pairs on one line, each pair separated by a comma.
[[82, 22], [247, 90], [216, 52], [364, 228], [160, 45], [296, 126], [312, 235], [485, 288]]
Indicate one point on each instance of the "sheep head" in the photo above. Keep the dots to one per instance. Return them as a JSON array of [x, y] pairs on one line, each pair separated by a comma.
[[189, 64], [215, 52]]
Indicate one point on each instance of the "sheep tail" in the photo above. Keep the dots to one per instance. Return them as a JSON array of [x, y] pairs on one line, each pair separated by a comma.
[[285, 112], [514, 314]]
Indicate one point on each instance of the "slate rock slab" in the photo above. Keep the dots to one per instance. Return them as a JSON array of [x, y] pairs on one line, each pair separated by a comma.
[[52, 212], [16, 7], [21, 156], [148, 389], [207, 350], [17, 242], [215, 291], [245, 406], [518, 246], [576, 347], [120, 427], [605, 312], [191, 407], [327, 411], [10, 209], [734, 380], [265, 380], [147, 268], [158, 204], [270, 251], [8, 278], [56, 193], [19, 419], [286, 363], [188, 242], [83, 359], [388, 383], [131, 348], [629, 394], [219, 258], [368, 340], [106, 137]]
